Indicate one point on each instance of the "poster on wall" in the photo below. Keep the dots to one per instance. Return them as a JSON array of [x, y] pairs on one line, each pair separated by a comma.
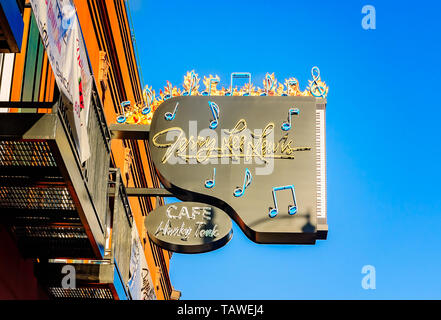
[[140, 281], [62, 38]]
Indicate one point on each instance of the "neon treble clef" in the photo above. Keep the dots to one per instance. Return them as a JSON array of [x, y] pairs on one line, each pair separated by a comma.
[[315, 87]]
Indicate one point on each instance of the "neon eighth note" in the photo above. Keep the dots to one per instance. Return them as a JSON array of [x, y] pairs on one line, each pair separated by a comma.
[[287, 125], [215, 112], [210, 84], [238, 192], [193, 80], [170, 91], [292, 209], [125, 105]]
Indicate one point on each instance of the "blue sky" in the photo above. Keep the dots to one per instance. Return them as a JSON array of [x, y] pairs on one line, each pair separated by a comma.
[[383, 138]]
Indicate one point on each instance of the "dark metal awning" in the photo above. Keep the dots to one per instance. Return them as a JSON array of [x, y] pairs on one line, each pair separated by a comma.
[[105, 279], [55, 206]]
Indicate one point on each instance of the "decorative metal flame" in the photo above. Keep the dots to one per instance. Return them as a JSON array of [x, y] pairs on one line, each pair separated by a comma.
[[142, 113]]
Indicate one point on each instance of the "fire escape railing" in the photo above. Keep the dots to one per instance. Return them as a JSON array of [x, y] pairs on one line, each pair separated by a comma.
[[59, 209]]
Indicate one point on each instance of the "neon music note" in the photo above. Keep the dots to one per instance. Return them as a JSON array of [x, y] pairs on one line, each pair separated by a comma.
[[192, 84], [289, 84], [170, 91], [269, 85], [146, 110], [125, 106], [212, 81], [238, 192], [239, 75], [171, 116], [292, 209], [210, 183], [149, 96], [215, 111], [315, 87], [287, 124]]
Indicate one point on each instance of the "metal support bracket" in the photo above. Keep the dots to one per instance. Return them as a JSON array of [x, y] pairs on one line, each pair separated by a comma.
[[130, 131], [145, 192]]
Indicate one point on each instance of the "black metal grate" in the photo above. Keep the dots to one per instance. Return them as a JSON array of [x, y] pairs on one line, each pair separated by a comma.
[[42, 200], [26, 153], [35, 198], [40, 217], [56, 232], [53, 241], [81, 293]]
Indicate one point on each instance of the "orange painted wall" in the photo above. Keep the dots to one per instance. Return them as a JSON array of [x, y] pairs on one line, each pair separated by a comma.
[[48, 79], [90, 21]]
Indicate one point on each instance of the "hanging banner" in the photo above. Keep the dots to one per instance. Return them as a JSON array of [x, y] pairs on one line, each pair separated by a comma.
[[140, 282], [61, 35]]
